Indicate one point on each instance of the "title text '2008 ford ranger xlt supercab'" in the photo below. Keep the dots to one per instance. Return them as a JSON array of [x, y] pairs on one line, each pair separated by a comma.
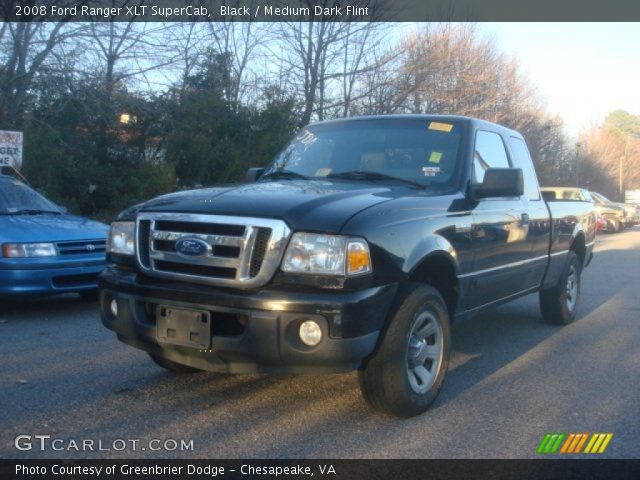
[[354, 250]]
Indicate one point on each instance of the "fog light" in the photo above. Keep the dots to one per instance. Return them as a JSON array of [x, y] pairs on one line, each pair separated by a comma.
[[113, 307], [310, 333]]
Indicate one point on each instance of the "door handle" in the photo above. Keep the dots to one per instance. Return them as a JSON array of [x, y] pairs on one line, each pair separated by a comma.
[[524, 219]]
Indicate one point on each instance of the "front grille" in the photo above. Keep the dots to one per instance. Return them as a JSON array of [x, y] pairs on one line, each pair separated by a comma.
[[81, 247], [240, 252], [259, 250], [207, 228], [205, 270]]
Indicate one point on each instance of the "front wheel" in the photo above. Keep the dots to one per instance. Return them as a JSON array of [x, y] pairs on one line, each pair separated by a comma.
[[560, 303], [406, 373]]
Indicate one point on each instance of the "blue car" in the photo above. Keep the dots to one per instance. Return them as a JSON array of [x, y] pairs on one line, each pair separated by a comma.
[[45, 250]]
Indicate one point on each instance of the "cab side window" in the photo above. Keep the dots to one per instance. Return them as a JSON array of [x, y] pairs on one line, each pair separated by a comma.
[[522, 159], [489, 153]]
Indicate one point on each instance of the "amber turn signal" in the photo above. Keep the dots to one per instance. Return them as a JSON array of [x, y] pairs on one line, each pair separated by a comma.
[[358, 257]]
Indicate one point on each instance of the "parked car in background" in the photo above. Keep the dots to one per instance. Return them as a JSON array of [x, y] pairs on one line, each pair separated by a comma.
[[629, 212], [44, 249], [606, 218], [616, 216], [567, 193]]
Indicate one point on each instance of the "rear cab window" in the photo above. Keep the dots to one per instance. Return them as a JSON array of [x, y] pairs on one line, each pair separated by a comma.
[[522, 159]]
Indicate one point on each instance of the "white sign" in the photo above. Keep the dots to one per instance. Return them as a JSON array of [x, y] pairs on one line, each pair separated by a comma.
[[632, 196], [10, 149]]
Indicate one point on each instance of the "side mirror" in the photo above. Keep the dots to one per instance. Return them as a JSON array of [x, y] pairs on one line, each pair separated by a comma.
[[500, 182], [253, 174]]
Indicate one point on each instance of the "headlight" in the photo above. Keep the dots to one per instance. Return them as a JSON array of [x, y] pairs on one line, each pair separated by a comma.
[[122, 238], [319, 254], [13, 250]]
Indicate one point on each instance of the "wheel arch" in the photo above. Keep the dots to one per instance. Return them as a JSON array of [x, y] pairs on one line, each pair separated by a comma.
[[579, 247], [439, 270]]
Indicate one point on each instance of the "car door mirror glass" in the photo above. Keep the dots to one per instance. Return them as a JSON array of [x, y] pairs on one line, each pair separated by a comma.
[[500, 182]]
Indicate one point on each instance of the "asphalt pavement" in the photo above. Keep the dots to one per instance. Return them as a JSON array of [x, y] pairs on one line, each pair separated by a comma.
[[511, 380]]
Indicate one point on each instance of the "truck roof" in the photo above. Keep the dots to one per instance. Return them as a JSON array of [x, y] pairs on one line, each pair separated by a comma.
[[423, 116]]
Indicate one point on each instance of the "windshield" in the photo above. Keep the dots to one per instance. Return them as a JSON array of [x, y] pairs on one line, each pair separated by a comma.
[[17, 198], [601, 197], [418, 151]]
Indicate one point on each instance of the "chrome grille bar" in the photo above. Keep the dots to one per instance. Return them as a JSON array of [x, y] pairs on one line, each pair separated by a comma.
[[241, 265], [210, 239]]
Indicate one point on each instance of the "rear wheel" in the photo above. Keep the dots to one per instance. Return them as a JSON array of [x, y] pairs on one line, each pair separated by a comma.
[[172, 366], [614, 225], [560, 303], [406, 373]]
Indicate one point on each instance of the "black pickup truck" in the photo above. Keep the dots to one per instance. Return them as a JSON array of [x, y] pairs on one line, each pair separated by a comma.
[[355, 249]]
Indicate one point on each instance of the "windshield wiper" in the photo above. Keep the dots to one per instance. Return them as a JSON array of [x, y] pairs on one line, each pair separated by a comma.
[[284, 174], [367, 175], [30, 211]]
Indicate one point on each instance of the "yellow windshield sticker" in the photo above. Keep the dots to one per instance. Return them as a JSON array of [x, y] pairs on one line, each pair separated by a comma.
[[442, 127], [435, 157], [322, 172]]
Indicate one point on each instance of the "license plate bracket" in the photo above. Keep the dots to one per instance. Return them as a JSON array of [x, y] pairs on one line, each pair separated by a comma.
[[183, 326]]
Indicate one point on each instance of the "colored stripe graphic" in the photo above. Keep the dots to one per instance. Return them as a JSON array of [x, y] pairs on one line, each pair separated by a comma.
[[605, 443], [551, 442], [574, 442], [598, 443], [543, 443], [582, 442], [557, 443], [594, 437], [570, 439]]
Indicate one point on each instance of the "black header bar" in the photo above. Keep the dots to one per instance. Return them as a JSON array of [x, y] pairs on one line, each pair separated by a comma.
[[543, 469], [319, 10]]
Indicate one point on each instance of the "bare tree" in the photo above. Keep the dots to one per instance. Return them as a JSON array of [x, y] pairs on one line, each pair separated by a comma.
[[187, 44], [610, 160], [122, 51], [323, 59], [240, 42], [26, 48]]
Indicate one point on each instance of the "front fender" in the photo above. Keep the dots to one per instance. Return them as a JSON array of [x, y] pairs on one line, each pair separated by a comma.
[[428, 248]]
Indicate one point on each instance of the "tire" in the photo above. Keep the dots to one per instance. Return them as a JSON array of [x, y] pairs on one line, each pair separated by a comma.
[[559, 304], [391, 380], [616, 225], [173, 366]]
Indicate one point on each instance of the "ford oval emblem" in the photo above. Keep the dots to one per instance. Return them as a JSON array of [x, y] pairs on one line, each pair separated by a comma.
[[191, 247]]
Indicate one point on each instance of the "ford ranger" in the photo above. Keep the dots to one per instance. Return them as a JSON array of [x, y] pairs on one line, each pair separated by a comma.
[[355, 249]]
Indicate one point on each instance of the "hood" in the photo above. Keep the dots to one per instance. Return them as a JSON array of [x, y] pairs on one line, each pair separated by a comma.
[[318, 205], [49, 228]]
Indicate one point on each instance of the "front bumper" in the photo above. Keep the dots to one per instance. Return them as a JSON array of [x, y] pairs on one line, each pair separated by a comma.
[[49, 276], [252, 331]]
